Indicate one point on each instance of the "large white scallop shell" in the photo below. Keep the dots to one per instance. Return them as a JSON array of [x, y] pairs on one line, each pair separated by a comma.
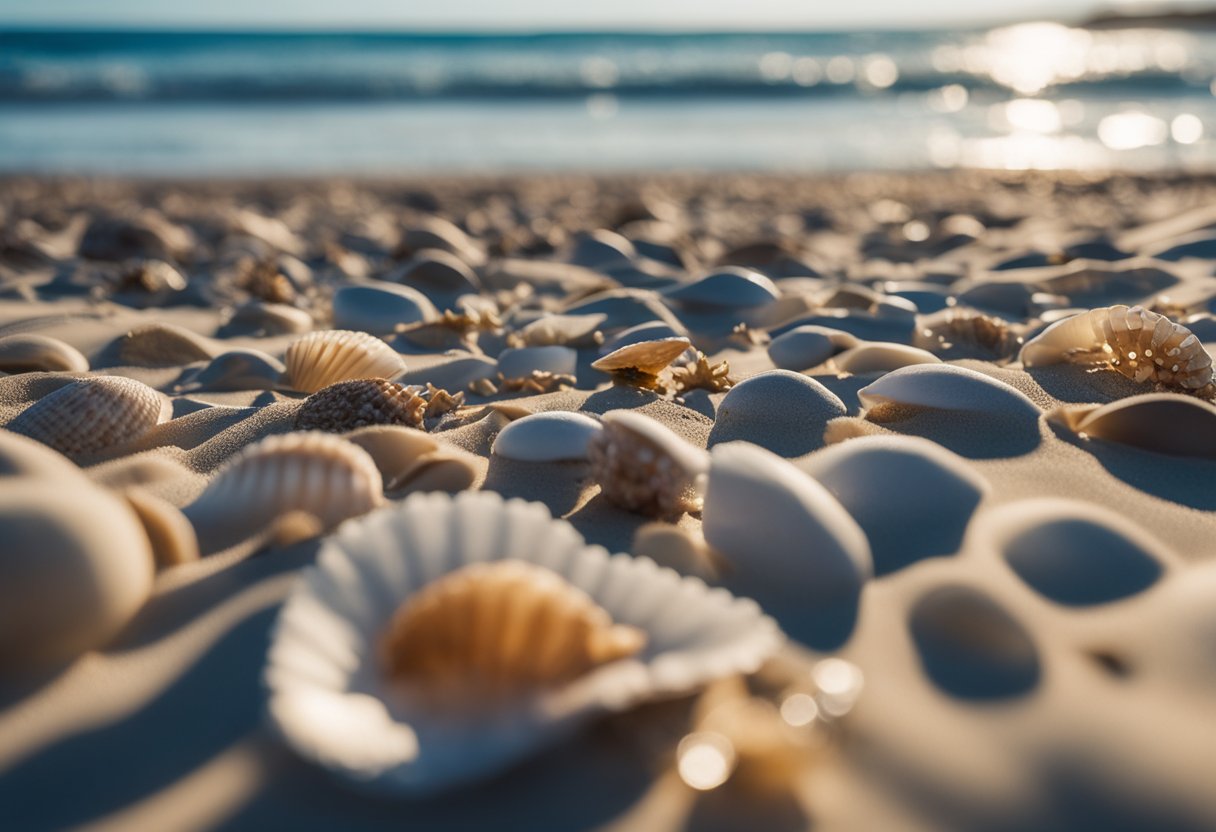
[[320, 359], [328, 697]]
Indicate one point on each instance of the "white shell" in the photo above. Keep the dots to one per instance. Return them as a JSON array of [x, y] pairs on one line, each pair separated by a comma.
[[563, 330], [1165, 423], [732, 287], [881, 358], [804, 347], [379, 308], [27, 352], [320, 359], [946, 387], [516, 363], [327, 696], [547, 437], [781, 411], [410, 460]]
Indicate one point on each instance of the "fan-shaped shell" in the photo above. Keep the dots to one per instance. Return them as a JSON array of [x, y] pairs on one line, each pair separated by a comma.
[[355, 404], [1166, 423], [93, 415], [1140, 344], [644, 466], [320, 359], [647, 357], [332, 702], [28, 352], [499, 628]]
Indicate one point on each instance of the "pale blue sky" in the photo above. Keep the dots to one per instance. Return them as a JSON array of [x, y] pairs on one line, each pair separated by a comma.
[[538, 14]]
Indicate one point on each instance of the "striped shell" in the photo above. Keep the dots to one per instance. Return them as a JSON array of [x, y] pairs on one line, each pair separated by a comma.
[[320, 359], [643, 466], [24, 353], [645, 359], [499, 628], [355, 404], [1140, 344], [93, 415]]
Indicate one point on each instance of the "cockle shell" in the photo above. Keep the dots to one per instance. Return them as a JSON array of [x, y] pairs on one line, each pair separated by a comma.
[[1142, 345], [355, 404], [643, 466], [547, 437], [646, 357], [92, 415], [320, 359], [331, 701], [499, 629], [29, 352], [1165, 423], [317, 473]]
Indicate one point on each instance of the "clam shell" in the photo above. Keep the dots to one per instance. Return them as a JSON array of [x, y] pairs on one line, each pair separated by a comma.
[[649, 331], [93, 415], [732, 287], [563, 330], [379, 308], [410, 460], [25, 353], [644, 466], [804, 347], [781, 411], [881, 358], [1165, 423], [317, 473], [330, 701], [347, 405], [946, 387], [320, 359], [438, 269], [547, 437], [516, 363], [648, 357], [260, 317], [164, 345]]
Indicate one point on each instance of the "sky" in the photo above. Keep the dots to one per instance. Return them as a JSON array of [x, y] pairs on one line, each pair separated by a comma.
[[535, 15]]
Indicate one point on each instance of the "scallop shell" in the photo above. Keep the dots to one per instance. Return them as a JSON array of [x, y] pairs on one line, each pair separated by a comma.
[[317, 473], [1165, 423], [355, 404], [640, 364], [643, 466], [92, 415], [547, 437], [330, 700], [1142, 345], [39, 353], [320, 359]]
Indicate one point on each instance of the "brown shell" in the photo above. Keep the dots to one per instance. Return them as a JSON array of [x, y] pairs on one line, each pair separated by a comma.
[[92, 415], [969, 330], [354, 404], [646, 357], [320, 359], [504, 627]]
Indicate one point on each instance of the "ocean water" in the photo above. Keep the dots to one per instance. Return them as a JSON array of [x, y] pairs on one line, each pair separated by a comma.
[[1038, 95]]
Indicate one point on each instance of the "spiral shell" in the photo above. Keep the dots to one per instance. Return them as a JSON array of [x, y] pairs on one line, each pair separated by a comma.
[[320, 359], [92, 415], [643, 466], [1140, 344], [347, 405]]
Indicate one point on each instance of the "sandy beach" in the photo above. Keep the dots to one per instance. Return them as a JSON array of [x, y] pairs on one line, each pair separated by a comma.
[[952, 433]]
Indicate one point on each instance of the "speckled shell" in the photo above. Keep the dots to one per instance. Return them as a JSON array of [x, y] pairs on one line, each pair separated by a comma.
[[331, 701], [1140, 344], [496, 629], [355, 404], [93, 415], [39, 353], [643, 466], [320, 359], [650, 357]]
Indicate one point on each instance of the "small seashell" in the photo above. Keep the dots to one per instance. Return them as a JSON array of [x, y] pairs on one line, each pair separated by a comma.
[[313, 472], [781, 411], [648, 331], [804, 347], [438, 269], [945, 387], [430, 232], [262, 318], [732, 287], [339, 709], [515, 363], [147, 235], [498, 629], [93, 415], [644, 466], [881, 358], [172, 537], [563, 330], [968, 330], [410, 460], [380, 308], [26, 353], [547, 437], [236, 370], [320, 359], [639, 364], [536, 382], [451, 330], [440, 402], [1139, 344], [1165, 423], [164, 345], [347, 405]]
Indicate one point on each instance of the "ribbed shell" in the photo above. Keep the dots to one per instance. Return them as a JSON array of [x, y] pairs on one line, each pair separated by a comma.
[[1140, 344], [644, 467], [355, 404], [320, 359], [39, 353], [92, 414], [649, 357], [499, 628]]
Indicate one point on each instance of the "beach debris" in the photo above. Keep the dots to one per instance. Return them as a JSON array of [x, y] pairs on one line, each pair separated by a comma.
[[165, 345], [381, 309], [1164, 423], [643, 466], [93, 414], [440, 402], [537, 381], [347, 405], [967, 329], [639, 365], [451, 329], [390, 741], [701, 375], [547, 437], [745, 336], [320, 359], [1139, 344], [32, 353]]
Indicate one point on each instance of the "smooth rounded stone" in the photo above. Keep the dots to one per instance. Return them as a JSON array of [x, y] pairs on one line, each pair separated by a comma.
[[547, 437], [431, 232], [913, 498], [379, 308], [239, 369], [170, 534], [1163, 423], [626, 308], [165, 345], [971, 647], [454, 375], [264, 318], [882, 358], [270, 230], [1075, 553], [809, 346], [781, 411], [600, 249], [438, 269], [148, 235], [946, 387], [21, 456], [732, 287], [75, 567], [29, 352], [926, 297], [1010, 299], [517, 363], [563, 330]]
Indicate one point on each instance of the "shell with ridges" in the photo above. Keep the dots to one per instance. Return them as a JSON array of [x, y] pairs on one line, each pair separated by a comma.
[[29, 352], [646, 358], [643, 466], [355, 404], [320, 359]]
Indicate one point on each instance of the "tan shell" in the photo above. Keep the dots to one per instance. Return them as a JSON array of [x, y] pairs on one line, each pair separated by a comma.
[[170, 533], [320, 359], [1166, 423], [646, 357], [504, 627], [92, 415], [164, 345], [39, 353], [410, 460], [563, 330], [643, 466], [355, 404], [1142, 345]]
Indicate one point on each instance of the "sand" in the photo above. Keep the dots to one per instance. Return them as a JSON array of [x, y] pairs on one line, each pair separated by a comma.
[[988, 704]]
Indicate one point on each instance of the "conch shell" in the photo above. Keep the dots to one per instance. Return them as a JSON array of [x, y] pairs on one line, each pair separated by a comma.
[[320, 359]]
